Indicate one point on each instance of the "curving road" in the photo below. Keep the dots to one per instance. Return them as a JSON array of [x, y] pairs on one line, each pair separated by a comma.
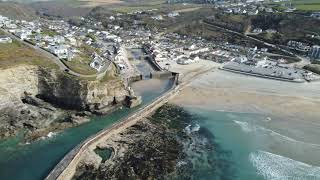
[[303, 61], [56, 60]]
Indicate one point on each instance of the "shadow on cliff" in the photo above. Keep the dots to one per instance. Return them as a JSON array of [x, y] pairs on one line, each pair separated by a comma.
[[62, 90], [69, 92]]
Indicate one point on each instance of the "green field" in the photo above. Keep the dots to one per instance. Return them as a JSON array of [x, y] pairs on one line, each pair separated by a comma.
[[308, 7], [302, 5], [80, 65]]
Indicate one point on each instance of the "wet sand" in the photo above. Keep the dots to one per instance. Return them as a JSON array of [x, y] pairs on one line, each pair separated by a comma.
[[228, 91], [293, 108]]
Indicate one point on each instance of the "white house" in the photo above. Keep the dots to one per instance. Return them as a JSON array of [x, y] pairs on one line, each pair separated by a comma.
[[48, 39], [72, 41], [61, 51], [3, 19], [59, 39], [241, 59], [265, 63], [112, 18], [271, 31], [257, 30], [173, 14], [38, 37], [254, 12], [22, 35], [97, 63], [5, 39], [11, 26], [158, 17]]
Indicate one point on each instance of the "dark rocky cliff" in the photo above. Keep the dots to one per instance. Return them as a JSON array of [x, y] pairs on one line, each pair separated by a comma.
[[78, 94], [34, 98]]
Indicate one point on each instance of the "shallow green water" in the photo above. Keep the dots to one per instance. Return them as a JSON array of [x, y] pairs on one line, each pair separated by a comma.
[[257, 147], [34, 161], [105, 154]]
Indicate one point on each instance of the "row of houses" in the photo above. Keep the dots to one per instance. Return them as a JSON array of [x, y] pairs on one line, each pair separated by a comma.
[[259, 30], [298, 46], [64, 40], [5, 39], [311, 51]]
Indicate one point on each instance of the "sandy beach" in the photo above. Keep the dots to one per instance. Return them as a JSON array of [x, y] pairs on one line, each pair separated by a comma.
[[294, 105], [221, 90], [287, 123]]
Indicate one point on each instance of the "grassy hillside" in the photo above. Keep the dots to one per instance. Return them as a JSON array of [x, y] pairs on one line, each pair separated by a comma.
[[15, 54], [313, 68], [17, 11], [307, 5], [301, 5], [290, 27]]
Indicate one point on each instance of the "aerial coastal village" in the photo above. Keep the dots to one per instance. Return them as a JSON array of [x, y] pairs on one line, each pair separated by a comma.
[[159, 89]]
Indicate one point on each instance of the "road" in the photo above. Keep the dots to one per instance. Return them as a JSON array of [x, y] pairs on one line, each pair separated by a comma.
[[56, 60], [303, 61]]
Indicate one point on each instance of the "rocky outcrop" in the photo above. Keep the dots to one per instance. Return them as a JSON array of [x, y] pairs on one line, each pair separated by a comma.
[[170, 144], [35, 98], [71, 93], [150, 149]]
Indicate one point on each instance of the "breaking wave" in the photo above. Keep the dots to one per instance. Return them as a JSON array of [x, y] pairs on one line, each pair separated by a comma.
[[192, 128], [276, 167], [246, 127]]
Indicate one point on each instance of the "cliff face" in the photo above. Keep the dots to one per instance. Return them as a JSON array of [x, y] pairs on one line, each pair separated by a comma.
[[34, 98], [68, 92]]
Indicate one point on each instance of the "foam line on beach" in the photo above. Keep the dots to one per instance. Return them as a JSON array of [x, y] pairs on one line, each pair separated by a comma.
[[248, 128], [273, 167]]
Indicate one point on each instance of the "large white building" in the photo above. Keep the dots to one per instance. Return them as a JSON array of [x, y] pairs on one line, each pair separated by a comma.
[[5, 39], [97, 63], [314, 52], [61, 51]]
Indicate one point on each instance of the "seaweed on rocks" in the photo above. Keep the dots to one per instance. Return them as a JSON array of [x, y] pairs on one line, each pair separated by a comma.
[[159, 147]]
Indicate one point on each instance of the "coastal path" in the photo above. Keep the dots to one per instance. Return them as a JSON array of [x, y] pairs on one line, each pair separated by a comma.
[[55, 59], [303, 61]]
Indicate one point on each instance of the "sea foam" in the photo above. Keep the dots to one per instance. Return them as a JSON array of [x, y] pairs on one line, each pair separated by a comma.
[[276, 167], [246, 127]]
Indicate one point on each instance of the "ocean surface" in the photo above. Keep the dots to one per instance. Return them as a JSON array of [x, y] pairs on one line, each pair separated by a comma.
[[34, 161], [255, 147]]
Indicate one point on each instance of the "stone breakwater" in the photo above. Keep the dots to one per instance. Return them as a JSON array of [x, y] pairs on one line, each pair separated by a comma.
[[67, 166]]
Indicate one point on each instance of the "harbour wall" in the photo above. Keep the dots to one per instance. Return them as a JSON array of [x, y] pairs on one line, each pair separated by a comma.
[[160, 74], [151, 59], [66, 168]]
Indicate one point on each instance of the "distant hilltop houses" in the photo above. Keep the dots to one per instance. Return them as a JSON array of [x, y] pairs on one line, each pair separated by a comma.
[[315, 15], [314, 52], [5, 39], [65, 41], [192, 1], [217, 1]]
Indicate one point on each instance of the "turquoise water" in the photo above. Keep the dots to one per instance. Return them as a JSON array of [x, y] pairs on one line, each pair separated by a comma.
[[105, 154], [34, 161], [257, 149]]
